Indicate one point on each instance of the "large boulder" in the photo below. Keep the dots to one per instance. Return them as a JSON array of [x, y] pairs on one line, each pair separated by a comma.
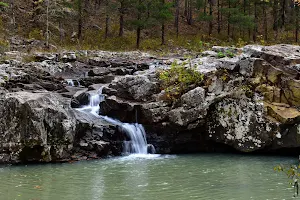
[[241, 123], [133, 87], [35, 127]]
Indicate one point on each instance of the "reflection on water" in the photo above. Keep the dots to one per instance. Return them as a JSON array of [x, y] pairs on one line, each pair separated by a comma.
[[151, 177]]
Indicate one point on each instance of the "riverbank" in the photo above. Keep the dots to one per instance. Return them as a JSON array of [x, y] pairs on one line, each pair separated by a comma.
[[247, 101]]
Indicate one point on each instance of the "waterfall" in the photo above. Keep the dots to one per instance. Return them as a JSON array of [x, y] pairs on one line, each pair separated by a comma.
[[71, 82], [135, 132]]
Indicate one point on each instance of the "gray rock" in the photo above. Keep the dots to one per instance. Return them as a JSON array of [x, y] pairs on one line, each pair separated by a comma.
[[193, 98], [139, 87], [35, 127], [241, 123], [69, 57], [40, 57], [184, 117]]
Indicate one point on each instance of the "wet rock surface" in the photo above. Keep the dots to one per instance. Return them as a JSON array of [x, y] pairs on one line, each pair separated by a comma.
[[249, 101]]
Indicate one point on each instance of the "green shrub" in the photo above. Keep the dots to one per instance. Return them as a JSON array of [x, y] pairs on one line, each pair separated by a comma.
[[229, 53], [221, 54], [178, 79]]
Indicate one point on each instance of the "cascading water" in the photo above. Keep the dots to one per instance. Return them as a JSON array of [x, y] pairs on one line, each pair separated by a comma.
[[135, 132], [71, 82]]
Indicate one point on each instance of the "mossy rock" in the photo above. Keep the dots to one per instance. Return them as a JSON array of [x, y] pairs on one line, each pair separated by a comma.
[[282, 112], [291, 90], [270, 93]]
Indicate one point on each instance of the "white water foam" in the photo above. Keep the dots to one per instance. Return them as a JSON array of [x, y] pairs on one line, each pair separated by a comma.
[[71, 82], [137, 145]]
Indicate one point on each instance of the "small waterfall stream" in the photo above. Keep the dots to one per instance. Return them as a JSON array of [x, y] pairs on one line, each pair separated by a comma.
[[135, 132], [71, 82]]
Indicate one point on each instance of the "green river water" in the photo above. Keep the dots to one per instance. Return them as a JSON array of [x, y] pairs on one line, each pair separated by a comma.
[[204, 176]]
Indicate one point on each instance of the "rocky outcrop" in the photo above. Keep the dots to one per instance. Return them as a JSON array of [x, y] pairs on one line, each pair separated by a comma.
[[40, 122], [248, 101]]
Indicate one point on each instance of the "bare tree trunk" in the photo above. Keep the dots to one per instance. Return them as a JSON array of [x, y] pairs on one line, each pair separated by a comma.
[[80, 21], [283, 13], [138, 30], [138, 37], [265, 21], [186, 7], [249, 13], [106, 20], [228, 24], [121, 30], [106, 26], [190, 13], [163, 28], [211, 20], [275, 15], [297, 23], [219, 21], [13, 16], [177, 17], [47, 23], [255, 22]]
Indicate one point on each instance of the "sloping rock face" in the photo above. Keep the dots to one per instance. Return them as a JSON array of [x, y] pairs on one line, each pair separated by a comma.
[[248, 103]]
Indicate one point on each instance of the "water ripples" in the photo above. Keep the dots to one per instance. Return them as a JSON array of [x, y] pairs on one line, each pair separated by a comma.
[[153, 177]]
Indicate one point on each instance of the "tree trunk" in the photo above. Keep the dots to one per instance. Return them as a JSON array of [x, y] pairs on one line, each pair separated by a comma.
[[138, 37], [47, 23], [265, 22], [190, 13], [255, 22], [13, 16], [219, 21], [163, 34], [249, 13], [138, 30], [163, 28], [283, 13], [275, 15], [297, 23], [177, 17], [80, 20], [211, 20], [121, 30], [185, 7], [106, 26], [228, 24], [106, 19]]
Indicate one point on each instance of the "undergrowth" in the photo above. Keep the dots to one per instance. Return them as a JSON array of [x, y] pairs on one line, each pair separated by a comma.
[[179, 79]]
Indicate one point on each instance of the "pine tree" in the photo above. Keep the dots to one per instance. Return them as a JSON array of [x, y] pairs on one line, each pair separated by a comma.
[[143, 18], [162, 14]]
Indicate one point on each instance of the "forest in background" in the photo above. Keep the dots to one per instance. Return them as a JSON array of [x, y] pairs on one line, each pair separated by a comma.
[[150, 24]]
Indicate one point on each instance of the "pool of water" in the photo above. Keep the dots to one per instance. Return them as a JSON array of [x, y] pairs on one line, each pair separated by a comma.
[[204, 176]]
